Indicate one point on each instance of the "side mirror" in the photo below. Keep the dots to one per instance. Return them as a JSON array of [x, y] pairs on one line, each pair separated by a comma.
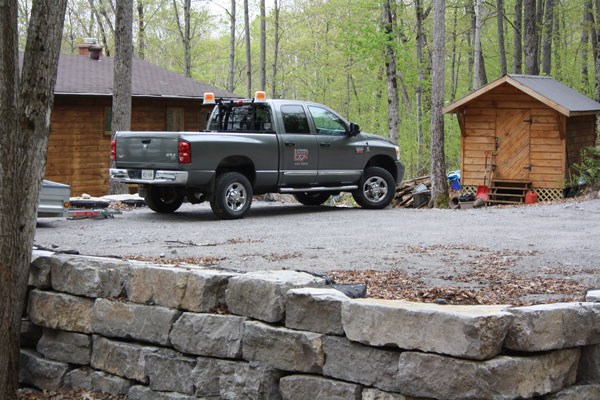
[[354, 129]]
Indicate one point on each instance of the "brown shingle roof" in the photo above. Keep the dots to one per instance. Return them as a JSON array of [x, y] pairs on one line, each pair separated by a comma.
[[79, 74], [542, 88]]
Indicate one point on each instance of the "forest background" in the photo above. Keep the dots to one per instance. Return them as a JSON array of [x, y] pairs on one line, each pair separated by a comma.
[[368, 59]]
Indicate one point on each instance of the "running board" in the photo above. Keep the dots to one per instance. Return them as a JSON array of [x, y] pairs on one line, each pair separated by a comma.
[[320, 189]]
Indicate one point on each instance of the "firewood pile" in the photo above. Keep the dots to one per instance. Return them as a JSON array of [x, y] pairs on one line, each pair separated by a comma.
[[404, 197]]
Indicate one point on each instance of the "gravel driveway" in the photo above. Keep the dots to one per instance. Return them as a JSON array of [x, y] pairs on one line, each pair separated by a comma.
[[430, 244]]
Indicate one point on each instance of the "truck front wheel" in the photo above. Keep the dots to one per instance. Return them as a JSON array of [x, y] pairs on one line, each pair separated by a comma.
[[163, 199], [311, 198], [376, 189], [232, 196]]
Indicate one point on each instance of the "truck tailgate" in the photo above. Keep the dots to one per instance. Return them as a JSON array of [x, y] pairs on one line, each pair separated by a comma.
[[143, 149]]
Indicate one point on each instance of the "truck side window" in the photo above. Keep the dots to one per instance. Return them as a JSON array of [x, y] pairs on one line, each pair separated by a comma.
[[326, 122], [294, 119]]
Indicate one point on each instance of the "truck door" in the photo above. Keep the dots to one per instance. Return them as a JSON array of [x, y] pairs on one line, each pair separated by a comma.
[[340, 160], [299, 148]]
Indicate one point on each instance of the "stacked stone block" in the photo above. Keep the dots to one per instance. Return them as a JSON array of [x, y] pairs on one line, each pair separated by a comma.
[[167, 332]]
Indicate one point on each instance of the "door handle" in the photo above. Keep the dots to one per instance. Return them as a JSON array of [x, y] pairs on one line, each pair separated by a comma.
[[290, 144], [325, 144]]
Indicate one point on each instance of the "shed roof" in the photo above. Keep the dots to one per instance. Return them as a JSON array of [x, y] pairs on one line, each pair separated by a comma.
[[81, 75], [543, 88]]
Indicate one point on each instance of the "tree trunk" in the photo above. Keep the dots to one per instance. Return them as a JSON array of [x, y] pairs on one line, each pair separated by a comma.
[[470, 10], [587, 31], [185, 34], [547, 47], [101, 27], [530, 38], [275, 48], [477, 46], [439, 182], [597, 58], [141, 30], [482, 74], [263, 47], [453, 71], [25, 109], [121, 102], [420, 79], [230, 69], [501, 48], [390, 66], [248, 54], [517, 43]]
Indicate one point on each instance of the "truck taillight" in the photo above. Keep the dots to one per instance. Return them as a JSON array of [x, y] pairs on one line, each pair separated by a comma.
[[185, 152], [113, 150]]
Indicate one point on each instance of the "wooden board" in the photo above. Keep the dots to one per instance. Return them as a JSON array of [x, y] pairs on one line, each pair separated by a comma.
[[512, 155]]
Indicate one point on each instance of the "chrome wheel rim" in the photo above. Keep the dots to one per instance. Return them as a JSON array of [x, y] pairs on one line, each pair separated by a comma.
[[235, 196], [375, 189]]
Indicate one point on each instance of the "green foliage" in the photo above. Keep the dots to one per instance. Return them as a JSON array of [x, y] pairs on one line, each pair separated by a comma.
[[332, 52], [589, 167]]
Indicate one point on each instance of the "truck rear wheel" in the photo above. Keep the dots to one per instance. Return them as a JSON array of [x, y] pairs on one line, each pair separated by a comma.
[[163, 199], [232, 196], [376, 189], [311, 198]]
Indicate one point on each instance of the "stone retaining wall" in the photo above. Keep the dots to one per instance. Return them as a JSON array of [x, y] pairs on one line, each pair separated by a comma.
[[166, 332]]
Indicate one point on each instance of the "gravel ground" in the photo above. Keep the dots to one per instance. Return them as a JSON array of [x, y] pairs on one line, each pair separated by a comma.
[[436, 247]]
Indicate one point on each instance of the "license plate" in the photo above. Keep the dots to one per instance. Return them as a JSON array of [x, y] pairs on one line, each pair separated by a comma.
[[148, 174]]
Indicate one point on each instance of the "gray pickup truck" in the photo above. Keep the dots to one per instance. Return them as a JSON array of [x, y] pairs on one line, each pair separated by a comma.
[[255, 147]]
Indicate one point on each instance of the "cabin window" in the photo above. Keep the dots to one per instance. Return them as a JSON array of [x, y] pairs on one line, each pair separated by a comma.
[[107, 121], [175, 119]]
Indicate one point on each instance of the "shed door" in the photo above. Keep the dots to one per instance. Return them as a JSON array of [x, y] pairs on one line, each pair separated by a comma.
[[512, 155]]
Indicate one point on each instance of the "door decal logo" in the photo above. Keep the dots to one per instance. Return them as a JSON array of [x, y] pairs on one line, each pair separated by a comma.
[[300, 155]]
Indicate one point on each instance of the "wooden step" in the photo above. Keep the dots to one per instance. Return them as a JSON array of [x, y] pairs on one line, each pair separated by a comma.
[[511, 181], [506, 195], [508, 187], [504, 202]]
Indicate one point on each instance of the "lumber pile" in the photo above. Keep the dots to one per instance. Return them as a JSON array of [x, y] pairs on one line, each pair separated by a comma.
[[404, 197]]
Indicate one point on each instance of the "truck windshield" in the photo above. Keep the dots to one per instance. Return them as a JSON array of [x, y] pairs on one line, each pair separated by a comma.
[[244, 117]]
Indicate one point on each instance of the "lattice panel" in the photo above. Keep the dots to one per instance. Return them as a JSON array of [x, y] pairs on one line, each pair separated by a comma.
[[545, 194], [468, 189]]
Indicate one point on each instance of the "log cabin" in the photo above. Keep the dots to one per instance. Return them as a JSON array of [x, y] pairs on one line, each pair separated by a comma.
[[80, 126], [522, 133]]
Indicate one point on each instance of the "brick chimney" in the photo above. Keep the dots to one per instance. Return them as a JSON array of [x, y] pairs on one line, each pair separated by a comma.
[[90, 48]]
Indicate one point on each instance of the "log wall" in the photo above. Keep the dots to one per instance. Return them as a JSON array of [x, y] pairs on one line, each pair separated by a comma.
[[79, 147], [547, 148]]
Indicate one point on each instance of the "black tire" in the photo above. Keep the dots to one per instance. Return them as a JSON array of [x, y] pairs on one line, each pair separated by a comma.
[[312, 198], [163, 199], [232, 197], [376, 189]]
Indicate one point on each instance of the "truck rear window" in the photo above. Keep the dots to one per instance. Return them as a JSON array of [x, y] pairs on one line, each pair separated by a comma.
[[247, 117]]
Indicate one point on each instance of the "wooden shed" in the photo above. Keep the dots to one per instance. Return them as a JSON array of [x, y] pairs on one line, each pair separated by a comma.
[[531, 127], [80, 125]]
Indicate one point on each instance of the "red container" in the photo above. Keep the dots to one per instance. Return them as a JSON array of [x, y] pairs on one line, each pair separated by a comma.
[[531, 197]]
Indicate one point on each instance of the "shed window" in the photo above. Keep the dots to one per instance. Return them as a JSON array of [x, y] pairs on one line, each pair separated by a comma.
[[175, 119], [107, 121]]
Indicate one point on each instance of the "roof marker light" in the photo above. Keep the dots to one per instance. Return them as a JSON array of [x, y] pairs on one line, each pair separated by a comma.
[[209, 98], [260, 97]]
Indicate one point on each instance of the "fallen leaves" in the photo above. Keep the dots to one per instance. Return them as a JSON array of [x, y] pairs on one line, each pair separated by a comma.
[[179, 261], [494, 286]]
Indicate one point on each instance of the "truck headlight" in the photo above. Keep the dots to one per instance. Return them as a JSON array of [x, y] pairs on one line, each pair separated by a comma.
[[397, 153]]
